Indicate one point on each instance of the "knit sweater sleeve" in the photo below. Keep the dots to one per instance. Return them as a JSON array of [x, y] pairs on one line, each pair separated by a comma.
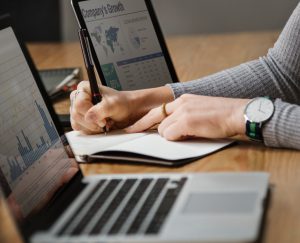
[[276, 75]]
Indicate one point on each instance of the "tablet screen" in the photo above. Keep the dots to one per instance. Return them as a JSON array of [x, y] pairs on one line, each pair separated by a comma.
[[125, 43]]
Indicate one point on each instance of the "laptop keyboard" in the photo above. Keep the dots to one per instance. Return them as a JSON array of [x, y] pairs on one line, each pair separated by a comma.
[[117, 206], [81, 206], [112, 207], [96, 206], [156, 190], [129, 206]]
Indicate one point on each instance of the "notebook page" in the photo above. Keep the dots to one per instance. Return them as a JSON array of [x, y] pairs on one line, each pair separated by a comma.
[[156, 146], [91, 144]]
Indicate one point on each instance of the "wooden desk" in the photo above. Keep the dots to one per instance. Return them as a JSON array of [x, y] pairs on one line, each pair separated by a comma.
[[196, 56]]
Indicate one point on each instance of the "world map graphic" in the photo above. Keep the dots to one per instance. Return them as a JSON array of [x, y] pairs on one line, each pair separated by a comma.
[[108, 39]]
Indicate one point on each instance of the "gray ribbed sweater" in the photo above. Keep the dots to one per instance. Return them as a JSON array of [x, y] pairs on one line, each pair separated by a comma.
[[276, 75]]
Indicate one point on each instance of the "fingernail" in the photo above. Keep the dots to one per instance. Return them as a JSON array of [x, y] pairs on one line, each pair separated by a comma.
[[101, 124]]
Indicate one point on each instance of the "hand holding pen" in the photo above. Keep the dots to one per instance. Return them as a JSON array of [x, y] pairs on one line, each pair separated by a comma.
[[86, 51]]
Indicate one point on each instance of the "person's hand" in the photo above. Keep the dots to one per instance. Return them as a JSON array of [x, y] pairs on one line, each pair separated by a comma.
[[118, 109], [113, 111], [196, 116]]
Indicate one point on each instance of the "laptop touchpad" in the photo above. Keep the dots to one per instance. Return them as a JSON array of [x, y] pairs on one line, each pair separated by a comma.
[[220, 203]]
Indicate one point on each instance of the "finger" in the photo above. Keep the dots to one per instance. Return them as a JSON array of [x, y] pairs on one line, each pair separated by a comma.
[[83, 128], [74, 125], [106, 90], [92, 117], [99, 113], [173, 132], [84, 86], [80, 123], [177, 117], [82, 102], [166, 123], [77, 127], [173, 106], [152, 118], [72, 95]]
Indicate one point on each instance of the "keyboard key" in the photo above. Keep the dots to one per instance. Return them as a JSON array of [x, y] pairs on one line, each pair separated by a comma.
[[142, 187], [164, 208], [81, 206], [113, 206], [152, 197], [96, 206]]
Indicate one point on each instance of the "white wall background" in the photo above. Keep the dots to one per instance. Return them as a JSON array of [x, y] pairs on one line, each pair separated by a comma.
[[205, 16]]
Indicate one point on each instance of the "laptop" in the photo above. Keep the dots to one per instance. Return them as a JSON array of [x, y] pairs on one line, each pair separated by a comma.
[[51, 201]]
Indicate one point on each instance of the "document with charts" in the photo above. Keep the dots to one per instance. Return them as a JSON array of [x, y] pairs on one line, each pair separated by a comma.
[[147, 147]]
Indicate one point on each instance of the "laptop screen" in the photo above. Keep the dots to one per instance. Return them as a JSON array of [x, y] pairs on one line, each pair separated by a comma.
[[33, 161], [126, 43]]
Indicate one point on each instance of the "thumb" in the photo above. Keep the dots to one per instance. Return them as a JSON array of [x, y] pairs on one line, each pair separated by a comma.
[[107, 91]]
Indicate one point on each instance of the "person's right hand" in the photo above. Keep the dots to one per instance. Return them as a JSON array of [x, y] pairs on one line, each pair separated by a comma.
[[114, 111], [117, 110]]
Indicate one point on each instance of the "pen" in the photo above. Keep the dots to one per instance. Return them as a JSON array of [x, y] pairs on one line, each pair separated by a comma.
[[86, 52]]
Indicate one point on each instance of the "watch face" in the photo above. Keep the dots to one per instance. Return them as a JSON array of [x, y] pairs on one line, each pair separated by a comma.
[[259, 110]]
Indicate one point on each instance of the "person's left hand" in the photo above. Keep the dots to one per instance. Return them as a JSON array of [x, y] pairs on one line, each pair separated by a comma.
[[196, 116]]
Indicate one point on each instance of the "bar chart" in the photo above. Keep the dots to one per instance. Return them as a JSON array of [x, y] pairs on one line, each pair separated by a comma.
[[28, 154]]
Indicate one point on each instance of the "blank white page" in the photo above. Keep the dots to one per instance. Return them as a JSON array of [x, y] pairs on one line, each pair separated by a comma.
[[156, 146], [91, 144]]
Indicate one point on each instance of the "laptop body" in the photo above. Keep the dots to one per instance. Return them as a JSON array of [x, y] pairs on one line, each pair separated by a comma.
[[51, 201]]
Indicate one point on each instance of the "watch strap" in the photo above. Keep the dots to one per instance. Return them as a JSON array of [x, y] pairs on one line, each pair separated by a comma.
[[253, 131]]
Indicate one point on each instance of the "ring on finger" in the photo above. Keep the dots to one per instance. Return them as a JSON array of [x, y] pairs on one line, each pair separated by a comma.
[[163, 110], [77, 93]]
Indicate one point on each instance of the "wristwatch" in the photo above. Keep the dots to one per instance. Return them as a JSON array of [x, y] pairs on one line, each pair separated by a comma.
[[257, 112]]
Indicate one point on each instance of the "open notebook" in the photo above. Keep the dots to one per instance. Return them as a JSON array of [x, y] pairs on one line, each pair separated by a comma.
[[148, 147]]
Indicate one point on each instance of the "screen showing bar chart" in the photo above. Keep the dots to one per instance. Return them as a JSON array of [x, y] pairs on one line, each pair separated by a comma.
[[29, 154], [33, 161]]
